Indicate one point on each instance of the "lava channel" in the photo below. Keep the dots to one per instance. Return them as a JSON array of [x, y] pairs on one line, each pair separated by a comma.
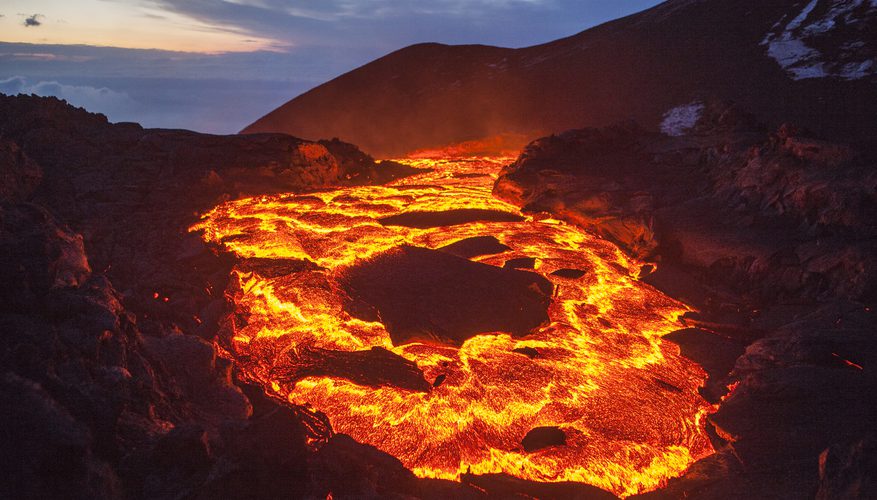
[[376, 322]]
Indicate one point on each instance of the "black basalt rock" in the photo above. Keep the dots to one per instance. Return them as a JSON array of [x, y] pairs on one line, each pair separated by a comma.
[[427, 295], [543, 437]]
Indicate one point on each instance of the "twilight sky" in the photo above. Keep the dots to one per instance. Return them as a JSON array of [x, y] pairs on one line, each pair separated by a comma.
[[217, 65]]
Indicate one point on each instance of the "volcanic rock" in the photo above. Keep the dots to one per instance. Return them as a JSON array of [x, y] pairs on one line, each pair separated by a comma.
[[801, 398], [342, 454], [742, 206], [185, 447], [47, 452], [48, 254], [772, 237], [520, 263], [180, 461], [583, 167], [572, 274], [426, 220], [715, 353], [374, 368], [843, 470], [274, 268], [505, 486], [543, 437], [77, 389], [527, 351], [267, 455], [132, 193], [204, 378], [19, 175], [106, 392], [427, 295], [346, 468], [474, 247], [361, 169]]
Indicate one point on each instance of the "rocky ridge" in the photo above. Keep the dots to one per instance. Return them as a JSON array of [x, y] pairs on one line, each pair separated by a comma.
[[809, 62], [771, 236], [111, 385]]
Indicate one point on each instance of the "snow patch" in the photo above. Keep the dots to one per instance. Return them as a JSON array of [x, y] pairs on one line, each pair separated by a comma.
[[796, 58], [788, 45], [796, 22], [855, 71], [681, 119]]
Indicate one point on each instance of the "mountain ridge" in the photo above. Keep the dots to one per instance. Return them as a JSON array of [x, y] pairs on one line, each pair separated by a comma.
[[637, 67]]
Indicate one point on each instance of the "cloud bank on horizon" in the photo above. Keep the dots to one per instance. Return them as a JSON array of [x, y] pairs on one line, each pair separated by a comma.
[[176, 61], [96, 99]]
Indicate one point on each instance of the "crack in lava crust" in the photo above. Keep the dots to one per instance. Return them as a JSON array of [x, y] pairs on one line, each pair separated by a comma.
[[626, 401]]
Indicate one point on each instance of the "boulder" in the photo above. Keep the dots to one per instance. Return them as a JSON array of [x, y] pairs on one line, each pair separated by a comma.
[[543, 437], [426, 220], [475, 247], [374, 368], [426, 295]]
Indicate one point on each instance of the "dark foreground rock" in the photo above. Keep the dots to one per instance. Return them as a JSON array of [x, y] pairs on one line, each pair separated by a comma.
[[716, 353], [772, 236], [110, 384], [844, 470], [428, 295], [772, 215], [504, 486], [425, 220], [82, 390], [798, 421], [132, 193]]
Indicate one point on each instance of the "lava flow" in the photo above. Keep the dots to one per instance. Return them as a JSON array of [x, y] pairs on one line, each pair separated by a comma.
[[625, 401]]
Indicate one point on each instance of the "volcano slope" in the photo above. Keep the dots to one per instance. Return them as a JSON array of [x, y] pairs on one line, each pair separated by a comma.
[[807, 62]]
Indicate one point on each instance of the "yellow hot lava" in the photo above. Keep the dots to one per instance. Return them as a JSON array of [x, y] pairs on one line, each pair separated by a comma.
[[626, 400]]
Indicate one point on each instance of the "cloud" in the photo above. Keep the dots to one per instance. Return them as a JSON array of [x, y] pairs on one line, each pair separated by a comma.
[[212, 105], [88, 63], [378, 26], [33, 21], [13, 85], [95, 99]]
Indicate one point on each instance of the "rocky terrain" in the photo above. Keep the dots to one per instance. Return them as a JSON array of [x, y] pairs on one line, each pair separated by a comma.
[[111, 384], [111, 387], [809, 62], [771, 235]]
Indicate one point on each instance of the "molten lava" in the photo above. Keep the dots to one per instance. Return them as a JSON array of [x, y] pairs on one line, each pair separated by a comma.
[[626, 401]]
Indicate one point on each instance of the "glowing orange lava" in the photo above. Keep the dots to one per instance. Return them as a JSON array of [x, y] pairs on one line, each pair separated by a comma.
[[626, 400]]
